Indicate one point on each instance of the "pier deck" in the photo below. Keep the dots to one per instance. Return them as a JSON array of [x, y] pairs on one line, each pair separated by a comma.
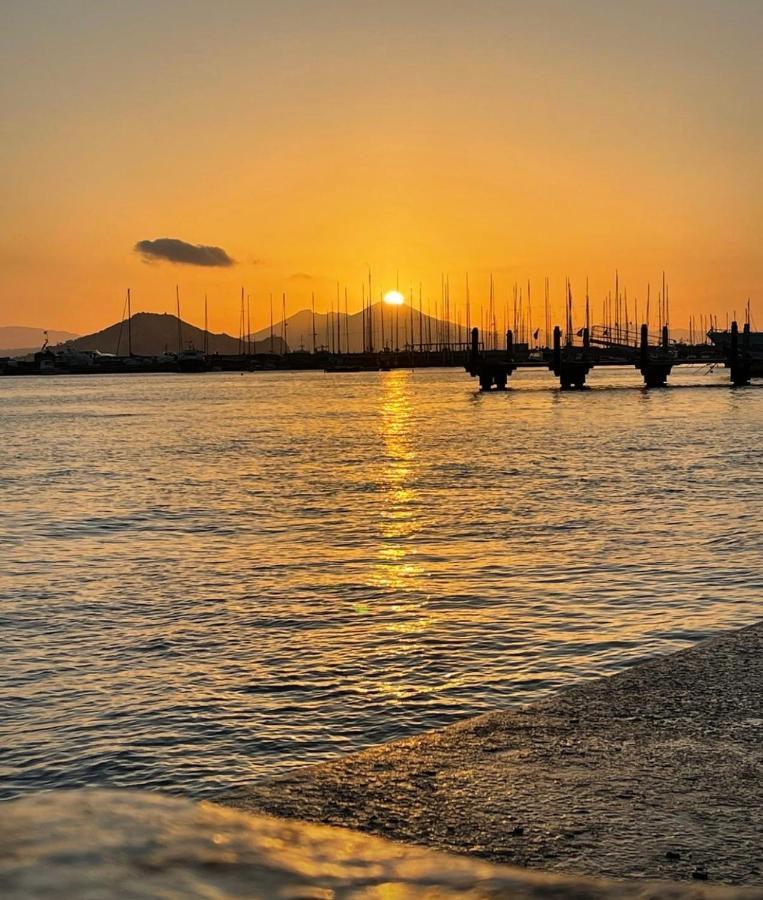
[[571, 362]]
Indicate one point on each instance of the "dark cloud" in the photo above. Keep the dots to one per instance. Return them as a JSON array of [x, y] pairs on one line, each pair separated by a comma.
[[176, 251], [300, 276]]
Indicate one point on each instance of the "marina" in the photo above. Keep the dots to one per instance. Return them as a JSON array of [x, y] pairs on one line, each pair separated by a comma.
[[570, 358]]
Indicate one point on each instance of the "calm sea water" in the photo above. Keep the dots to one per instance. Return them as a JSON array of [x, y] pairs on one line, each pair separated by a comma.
[[209, 579]]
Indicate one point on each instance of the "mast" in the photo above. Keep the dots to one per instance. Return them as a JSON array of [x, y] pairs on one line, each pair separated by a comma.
[[313, 308], [370, 313], [248, 327], [421, 322], [180, 327], [529, 315], [468, 310], [206, 327], [121, 326], [363, 319], [129, 323], [514, 314], [241, 325], [338, 322], [283, 323], [272, 349], [410, 315], [346, 321]]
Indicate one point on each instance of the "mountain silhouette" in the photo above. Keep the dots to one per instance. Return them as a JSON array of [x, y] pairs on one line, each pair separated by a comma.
[[400, 326], [156, 333]]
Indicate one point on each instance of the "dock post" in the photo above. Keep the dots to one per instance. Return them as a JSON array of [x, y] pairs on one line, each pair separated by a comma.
[[557, 359], [654, 371], [475, 343], [509, 343], [644, 348], [738, 365], [586, 339]]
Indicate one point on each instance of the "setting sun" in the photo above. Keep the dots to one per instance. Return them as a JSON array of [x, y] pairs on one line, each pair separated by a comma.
[[394, 298]]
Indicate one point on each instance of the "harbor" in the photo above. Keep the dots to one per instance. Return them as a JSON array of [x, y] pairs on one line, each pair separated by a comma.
[[381, 398], [570, 357]]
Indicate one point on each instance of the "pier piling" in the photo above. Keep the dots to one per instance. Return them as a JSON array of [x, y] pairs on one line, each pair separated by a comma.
[[739, 363], [654, 369], [569, 367]]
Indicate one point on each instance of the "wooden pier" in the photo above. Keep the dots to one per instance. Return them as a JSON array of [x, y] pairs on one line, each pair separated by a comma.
[[571, 361]]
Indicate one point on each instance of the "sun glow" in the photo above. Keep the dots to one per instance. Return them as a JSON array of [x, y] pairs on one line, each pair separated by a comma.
[[394, 298]]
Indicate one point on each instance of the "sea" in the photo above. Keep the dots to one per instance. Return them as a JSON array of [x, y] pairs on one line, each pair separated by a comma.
[[207, 580]]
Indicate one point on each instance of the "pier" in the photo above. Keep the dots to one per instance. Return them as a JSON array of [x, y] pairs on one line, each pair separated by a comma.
[[571, 360]]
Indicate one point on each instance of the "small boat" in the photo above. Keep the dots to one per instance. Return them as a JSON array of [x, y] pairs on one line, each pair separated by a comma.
[[192, 360]]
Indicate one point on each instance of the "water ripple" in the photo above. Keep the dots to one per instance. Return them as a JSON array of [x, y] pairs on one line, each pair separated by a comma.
[[211, 579]]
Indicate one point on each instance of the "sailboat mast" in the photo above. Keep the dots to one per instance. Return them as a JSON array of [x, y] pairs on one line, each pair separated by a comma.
[[468, 311], [410, 314], [421, 321], [363, 306], [313, 308], [129, 323], [338, 323], [346, 321], [272, 347], [529, 315], [283, 323], [241, 327], [248, 327], [370, 314], [180, 327]]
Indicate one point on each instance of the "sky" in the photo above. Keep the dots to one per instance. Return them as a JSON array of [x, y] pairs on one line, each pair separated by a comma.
[[311, 140]]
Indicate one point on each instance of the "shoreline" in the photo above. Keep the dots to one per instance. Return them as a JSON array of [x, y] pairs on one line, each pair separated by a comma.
[[654, 772]]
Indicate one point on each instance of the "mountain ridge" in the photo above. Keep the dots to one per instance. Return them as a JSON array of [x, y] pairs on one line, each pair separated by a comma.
[[156, 333]]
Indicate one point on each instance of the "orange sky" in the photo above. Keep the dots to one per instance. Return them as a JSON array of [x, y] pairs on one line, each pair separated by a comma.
[[311, 138]]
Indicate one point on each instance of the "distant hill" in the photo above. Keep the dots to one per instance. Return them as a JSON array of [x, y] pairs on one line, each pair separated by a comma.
[[334, 331], [157, 333], [18, 340]]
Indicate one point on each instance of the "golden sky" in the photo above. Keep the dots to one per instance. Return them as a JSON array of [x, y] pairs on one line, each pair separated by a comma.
[[312, 138]]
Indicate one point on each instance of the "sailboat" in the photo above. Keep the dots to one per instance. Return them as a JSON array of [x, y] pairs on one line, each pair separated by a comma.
[[189, 359]]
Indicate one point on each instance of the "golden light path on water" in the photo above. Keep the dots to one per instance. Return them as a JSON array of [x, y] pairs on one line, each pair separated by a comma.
[[211, 579]]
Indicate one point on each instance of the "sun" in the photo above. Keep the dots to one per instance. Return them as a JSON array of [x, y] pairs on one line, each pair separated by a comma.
[[394, 298]]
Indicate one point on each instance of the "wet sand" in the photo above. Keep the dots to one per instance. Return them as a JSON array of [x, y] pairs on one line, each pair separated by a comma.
[[656, 772]]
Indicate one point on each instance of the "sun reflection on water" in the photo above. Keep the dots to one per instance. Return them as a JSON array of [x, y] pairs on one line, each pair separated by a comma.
[[395, 569]]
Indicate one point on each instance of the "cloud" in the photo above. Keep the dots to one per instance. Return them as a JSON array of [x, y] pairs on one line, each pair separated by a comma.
[[300, 276], [176, 251]]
